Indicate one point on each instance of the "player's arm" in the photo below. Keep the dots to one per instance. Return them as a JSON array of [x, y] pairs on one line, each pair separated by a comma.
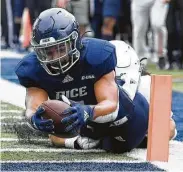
[[106, 93], [77, 142], [57, 141], [34, 98]]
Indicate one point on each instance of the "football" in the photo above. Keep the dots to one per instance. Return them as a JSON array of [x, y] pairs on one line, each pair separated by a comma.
[[53, 110]]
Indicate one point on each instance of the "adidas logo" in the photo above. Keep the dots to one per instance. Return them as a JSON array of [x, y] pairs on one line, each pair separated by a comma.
[[86, 116], [68, 78], [119, 138]]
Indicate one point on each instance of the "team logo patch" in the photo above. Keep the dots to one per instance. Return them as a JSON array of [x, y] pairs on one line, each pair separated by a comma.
[[87, 77], [68, 78]]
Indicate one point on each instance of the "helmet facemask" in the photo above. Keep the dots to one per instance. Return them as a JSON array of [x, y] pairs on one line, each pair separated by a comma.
[[59, 56]]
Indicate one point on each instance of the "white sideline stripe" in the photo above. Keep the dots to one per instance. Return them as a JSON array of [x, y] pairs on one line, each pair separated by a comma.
[[12, 93], [11, 111], [175, 162], [48, 150], [12, 117], [75, 161], [10, 54], [16, 140]]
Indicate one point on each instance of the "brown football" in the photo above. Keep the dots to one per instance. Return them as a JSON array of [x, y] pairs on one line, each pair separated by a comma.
[[53, 110]]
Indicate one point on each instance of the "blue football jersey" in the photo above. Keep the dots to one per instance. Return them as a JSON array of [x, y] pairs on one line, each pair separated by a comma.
[[97, 59]]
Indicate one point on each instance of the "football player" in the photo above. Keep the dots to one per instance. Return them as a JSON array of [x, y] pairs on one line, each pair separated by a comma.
[[124, 70], [83, 70]]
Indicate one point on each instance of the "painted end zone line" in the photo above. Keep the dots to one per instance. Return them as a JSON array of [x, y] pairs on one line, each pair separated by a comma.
[[16, 140]]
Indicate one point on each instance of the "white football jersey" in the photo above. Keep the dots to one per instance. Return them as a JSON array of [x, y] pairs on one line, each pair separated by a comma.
[[128, 67]]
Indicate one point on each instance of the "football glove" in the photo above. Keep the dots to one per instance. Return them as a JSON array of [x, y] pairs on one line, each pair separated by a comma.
[[38, 123], [80, 114]]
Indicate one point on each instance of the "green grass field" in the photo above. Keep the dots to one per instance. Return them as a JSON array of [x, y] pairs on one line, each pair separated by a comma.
[[177, 75], [35, 147]]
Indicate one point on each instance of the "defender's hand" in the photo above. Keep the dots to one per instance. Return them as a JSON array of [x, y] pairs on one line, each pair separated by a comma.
[[80, 114], [41, 124]]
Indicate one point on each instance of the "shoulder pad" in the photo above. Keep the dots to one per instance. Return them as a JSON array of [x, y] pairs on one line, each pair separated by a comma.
[[26, 70], [27, 64], [97, 51]]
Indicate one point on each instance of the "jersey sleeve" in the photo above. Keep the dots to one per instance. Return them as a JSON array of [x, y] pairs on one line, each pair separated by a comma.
[[23, 79], [107, 66], [25, 72], [101, 56]]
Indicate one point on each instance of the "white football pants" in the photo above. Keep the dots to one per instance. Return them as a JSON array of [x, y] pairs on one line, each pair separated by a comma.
[[142, 11]]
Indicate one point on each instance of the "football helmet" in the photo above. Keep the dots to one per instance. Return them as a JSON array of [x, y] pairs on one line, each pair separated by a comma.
[[56, 40]]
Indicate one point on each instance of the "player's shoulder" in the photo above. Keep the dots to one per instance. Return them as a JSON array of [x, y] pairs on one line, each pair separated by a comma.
[[96, 51], [125, 54], [27, 64]]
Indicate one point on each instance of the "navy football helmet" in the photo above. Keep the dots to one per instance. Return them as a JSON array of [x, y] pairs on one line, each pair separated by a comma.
[[56, 40]]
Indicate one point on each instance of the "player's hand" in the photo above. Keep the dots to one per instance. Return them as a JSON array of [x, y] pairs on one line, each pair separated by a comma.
[[80, 114], [41, 124]]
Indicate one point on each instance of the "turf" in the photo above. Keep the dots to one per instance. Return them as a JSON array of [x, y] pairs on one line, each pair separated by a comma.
[[8, 106], [177, 75], [61, 156]]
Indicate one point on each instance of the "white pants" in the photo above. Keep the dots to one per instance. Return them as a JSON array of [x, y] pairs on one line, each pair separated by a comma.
[[145, 88], [142, 11]]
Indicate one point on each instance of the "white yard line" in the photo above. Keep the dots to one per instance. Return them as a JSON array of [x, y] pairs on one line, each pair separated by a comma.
[[12, 117], [175, 162], [16, 140], [12, 124], [48, 150], [11, 111], [12, 93]]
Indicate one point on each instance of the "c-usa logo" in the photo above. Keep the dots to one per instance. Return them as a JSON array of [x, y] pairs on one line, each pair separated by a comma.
[[84, 77]]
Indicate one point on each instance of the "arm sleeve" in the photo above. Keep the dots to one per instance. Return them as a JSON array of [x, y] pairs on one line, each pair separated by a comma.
[[24, 80], [106, 67]]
